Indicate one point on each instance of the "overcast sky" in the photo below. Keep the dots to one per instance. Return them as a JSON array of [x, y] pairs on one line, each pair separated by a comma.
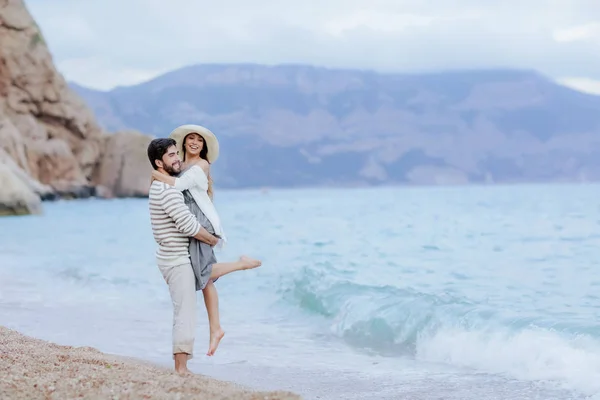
[[105, 43]]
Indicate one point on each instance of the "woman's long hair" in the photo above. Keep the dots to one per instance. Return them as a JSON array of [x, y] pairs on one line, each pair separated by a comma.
[[204, 156]]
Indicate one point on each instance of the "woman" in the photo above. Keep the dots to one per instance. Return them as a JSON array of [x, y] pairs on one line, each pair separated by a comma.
[[199, 148]]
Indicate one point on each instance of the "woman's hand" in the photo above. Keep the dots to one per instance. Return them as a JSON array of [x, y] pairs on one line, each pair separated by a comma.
[[153, 176], [159, 176], [164, 178]]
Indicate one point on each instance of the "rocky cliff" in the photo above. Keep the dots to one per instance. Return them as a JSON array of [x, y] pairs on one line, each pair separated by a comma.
[[50, 142]]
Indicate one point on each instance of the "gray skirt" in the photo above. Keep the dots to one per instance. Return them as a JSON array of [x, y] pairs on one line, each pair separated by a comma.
[[202, 254]]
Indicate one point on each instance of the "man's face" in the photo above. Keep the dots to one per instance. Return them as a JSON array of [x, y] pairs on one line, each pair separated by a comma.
[[170, 162]]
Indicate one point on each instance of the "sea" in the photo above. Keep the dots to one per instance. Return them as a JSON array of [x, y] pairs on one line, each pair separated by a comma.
[[472, 292]]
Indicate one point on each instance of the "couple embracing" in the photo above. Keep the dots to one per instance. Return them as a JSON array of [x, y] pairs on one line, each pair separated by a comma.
[[186, 227]]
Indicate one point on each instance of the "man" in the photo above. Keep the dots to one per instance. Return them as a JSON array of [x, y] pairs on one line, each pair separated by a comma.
[[172, 225]]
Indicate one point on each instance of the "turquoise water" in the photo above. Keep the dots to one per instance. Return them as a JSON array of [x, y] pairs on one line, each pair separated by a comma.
[[478, 292]]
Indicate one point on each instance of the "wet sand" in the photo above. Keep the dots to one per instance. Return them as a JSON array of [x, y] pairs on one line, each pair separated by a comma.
[[34, 369]]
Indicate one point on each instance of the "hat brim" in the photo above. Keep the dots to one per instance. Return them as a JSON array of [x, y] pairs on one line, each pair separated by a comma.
[[210, 140]]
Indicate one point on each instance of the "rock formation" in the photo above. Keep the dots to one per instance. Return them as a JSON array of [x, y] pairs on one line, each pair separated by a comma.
[[124, 170], [19, 193], [50, 142]]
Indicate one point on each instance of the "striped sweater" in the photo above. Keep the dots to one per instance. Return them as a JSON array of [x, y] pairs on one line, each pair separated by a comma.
[[172, 224]]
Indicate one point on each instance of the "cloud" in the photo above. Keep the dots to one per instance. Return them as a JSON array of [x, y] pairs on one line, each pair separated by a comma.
[[96, 72], [108, 43], [577, 33], [585, 85]]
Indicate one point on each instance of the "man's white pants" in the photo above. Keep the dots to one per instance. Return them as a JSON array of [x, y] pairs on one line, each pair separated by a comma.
[[182, 286]]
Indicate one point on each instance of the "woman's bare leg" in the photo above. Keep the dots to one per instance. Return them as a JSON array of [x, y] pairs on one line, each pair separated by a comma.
[[211, 300], [220, 269], [211, 297]]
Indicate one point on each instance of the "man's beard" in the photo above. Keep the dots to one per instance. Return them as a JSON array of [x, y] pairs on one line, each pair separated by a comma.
[[169, 169]]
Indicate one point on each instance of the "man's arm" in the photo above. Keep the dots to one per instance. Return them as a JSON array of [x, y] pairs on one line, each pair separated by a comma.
[[185, 221], [204, 236]]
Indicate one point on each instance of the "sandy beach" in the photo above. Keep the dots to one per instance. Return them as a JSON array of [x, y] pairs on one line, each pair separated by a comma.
[[35, 369]]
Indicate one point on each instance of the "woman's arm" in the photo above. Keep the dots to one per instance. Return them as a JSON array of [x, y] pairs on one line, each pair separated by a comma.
[[164, 178], [192, 177], [205, 166], [195, 176]]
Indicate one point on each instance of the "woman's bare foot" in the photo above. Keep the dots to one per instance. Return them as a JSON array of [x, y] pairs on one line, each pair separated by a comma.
[[215, 339], [249, 263]]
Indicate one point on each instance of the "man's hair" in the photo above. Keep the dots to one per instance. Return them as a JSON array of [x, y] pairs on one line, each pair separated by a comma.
[[157, 149]]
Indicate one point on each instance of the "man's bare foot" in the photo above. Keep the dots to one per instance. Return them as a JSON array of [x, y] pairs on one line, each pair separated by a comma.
[[215, 339], [249, 263], [183, 371], [181, 364]]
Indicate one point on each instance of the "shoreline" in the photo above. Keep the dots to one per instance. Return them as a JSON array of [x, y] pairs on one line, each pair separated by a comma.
[[36, 369]]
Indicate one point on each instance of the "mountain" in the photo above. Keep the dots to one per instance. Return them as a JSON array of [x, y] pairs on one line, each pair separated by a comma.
[[295, 125]]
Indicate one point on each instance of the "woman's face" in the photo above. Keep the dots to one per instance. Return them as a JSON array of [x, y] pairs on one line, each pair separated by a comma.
[[193, 144]]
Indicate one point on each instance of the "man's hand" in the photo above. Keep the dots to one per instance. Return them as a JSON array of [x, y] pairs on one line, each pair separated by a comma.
[[206, 237], [214, 241]]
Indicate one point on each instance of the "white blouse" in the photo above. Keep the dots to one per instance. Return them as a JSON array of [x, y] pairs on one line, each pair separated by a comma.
[[196, 181]]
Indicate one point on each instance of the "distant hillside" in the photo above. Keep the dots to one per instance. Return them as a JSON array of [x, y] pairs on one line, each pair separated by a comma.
[[301, 125]]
